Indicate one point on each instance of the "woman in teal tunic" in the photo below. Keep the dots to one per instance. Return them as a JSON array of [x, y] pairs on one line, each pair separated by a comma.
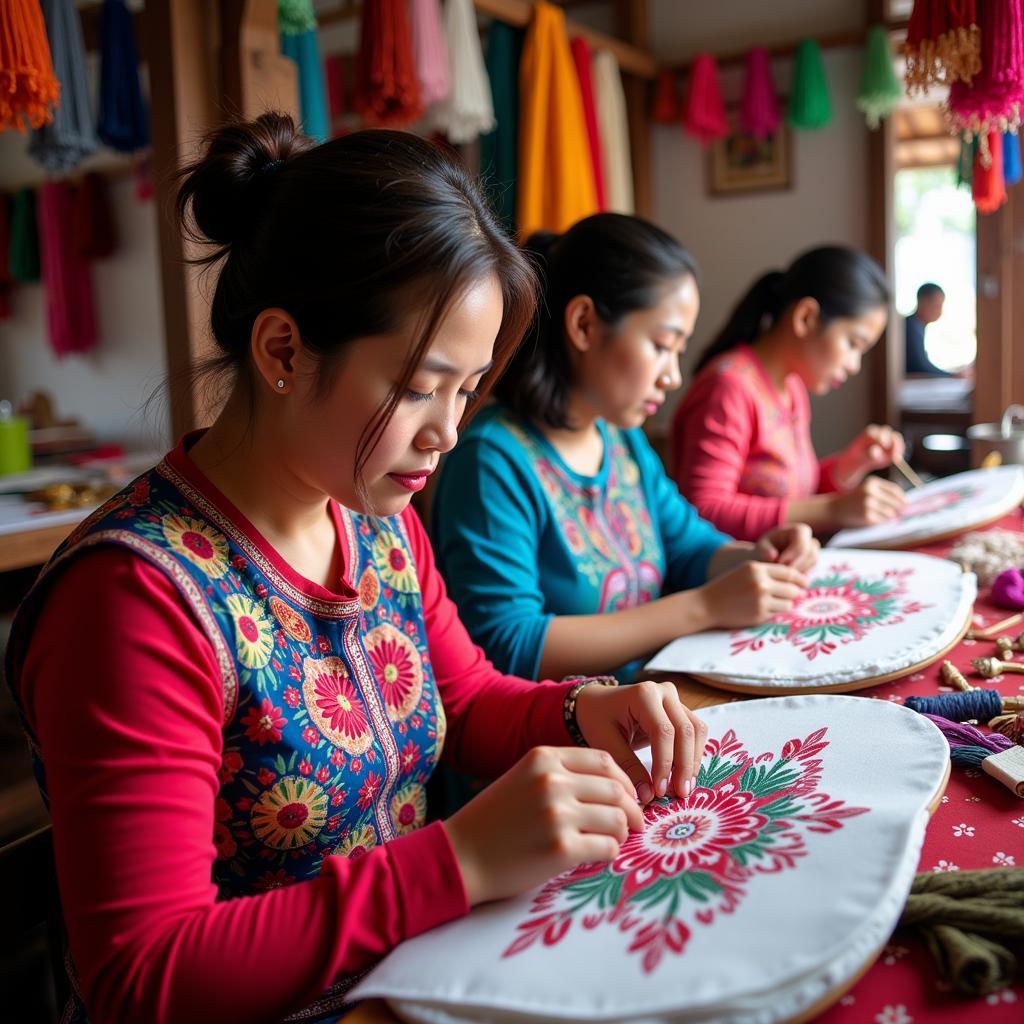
[[563, 542]]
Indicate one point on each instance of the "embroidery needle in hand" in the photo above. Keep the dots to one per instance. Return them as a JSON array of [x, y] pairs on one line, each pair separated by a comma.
[[912, 477]]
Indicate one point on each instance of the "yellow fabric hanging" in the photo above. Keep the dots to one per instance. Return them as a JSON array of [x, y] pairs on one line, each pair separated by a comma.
[[556, 179]]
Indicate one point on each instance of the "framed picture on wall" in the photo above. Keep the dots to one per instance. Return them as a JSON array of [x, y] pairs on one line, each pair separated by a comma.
[[740, 163]]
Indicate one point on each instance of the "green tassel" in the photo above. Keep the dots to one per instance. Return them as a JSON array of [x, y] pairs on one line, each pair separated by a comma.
[[880, 89], [295, 16], [965, 165], [809, 105], [23, 258]]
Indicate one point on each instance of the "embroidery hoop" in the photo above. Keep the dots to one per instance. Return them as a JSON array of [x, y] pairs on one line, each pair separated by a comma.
[[780, 671], [1002, 490], [460, 987]]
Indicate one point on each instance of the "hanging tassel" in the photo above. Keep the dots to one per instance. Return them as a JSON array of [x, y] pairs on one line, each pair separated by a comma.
[[124, 117], [430, 51], [666, 108], [1011, 175], [29, 89], [70, 314], [988, 185], [993, 98], [23, 255], [943, 44], [810, 108], [613, 128], [703, 108], [386, 89], [499, 149], [93, 233], [880, 91], [584, 72], [70, 137], [759, 107], [304, 49], [965, 164], [468, 112], [295, 17]]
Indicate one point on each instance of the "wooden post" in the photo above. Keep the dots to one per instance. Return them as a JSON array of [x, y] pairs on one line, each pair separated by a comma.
[[633, 25], [255, 76]]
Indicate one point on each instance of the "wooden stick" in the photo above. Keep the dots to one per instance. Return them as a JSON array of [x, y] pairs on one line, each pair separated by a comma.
[[990, 631], [901, 465]]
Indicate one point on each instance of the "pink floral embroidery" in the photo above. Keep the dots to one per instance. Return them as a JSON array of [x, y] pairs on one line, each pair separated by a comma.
[[939, 502], [263, 724], [840, 608], [696, 857]]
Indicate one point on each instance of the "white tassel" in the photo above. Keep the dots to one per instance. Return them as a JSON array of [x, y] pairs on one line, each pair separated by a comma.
[[613, 125], [469, 109]]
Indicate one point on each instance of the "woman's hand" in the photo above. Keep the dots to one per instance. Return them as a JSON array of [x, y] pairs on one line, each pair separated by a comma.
[[874, 448], [751, 594], [619, 719], [792, 545], [555, 808], [874, 501]]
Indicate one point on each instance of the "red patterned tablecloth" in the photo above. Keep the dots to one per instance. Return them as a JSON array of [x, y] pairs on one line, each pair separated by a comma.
[[979, 824]]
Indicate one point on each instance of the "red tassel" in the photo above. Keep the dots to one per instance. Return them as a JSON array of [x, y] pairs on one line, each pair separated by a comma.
[[666, 99], [387, 91], [989, 187], [93, 233]]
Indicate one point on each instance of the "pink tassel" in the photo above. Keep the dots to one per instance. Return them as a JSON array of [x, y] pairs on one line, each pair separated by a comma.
[[429, 51], [70, 314], [759, 108], [992, 100], [704, 111]]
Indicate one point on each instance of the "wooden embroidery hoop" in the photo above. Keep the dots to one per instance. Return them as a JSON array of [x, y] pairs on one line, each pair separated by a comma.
[[938, 538]]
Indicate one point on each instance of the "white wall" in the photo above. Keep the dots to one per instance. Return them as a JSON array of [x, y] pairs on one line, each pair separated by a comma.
[[735, 239]]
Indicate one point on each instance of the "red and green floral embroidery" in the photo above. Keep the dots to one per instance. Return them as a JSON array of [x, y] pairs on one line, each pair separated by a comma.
[[840, 608], [698, 857]]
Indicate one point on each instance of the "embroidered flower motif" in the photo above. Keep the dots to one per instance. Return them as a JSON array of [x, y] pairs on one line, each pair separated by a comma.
[[224, 841], [393, 563], [410, 755], [834, 609], [963, 830], [409, 808], [632, 533], [938, 502], [695, 857], [369, 589], [368, 791], [396, 668], [263, 724], [274, 880], [573, 537], [230, 765], [334, 705], [291, 621], [291, 814], [359, 841], [197, 541], [254, 639], [1004, 860]]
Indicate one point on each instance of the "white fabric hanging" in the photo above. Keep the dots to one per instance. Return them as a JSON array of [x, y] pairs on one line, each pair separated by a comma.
[[429, 51], [613, 125], [469, 110]]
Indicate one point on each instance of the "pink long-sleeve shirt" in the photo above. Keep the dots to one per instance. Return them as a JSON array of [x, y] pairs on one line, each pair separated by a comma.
[[742, 450], [122, 691]]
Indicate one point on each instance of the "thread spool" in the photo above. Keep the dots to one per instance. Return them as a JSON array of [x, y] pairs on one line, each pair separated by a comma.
[[969, 706]]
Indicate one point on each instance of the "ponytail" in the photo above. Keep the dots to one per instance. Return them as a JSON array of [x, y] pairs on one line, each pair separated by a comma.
[[844, 282]]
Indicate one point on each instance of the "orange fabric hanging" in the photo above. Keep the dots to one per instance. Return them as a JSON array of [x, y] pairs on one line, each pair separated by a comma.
[[556, 177], [29, 90]]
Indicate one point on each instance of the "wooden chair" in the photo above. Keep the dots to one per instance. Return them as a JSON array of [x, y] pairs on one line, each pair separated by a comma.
[[29, 899]]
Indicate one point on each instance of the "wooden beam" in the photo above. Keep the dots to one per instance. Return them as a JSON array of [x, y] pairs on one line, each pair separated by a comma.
[[633, 25], [631, 59]]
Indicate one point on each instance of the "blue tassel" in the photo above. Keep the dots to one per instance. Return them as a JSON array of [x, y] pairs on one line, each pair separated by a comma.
[[304, 49], [1011, 158], [124, 117]]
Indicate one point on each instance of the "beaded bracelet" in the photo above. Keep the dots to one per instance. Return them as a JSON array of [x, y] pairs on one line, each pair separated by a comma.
[[569, 704]]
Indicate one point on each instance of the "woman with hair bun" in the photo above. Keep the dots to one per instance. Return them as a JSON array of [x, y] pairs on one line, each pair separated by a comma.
[[238, 675], [562, 540], [742, 449]]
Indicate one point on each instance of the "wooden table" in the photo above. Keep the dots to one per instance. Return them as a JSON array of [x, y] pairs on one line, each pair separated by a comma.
[[34, 547]]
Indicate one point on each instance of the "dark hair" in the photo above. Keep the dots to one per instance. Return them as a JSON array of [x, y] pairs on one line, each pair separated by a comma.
[[621, 263], [844, 282], [348, 237], [928, 289]]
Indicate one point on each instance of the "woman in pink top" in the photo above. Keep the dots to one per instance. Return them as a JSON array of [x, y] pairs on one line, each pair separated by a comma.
[[742, 449], [238, 675]]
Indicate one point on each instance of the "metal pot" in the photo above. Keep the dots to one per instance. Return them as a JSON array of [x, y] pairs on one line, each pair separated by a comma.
[[1005, 438]]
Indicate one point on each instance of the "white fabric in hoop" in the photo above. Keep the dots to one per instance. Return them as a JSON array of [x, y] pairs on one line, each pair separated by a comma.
[[865, 615], [942, 508], [810, 809]]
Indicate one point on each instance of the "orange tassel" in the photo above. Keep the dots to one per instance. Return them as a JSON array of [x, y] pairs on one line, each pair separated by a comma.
[[988, 185], [29, 90], [666, 109]]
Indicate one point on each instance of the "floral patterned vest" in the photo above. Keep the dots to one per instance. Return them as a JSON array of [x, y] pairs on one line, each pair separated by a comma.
[[332, 722]]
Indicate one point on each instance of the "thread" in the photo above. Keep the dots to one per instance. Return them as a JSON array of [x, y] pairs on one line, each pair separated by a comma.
[[976, 705]]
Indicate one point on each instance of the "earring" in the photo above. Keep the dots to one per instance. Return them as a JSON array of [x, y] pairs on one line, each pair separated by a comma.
[[280, 382]]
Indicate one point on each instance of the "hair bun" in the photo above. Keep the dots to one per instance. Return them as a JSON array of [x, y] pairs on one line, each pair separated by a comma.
[[224, 187]]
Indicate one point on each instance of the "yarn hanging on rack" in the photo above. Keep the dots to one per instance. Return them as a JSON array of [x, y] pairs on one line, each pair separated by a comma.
[[468, 110], [93, 231], [666, 108], [810, 107], [430, 51], [29, 89], [585, 73], [124, 117], [759, 106], [1012, 170], [988, 186], [943, 44], [387, 91], [879, 91], [23, 253], [703, 108]]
